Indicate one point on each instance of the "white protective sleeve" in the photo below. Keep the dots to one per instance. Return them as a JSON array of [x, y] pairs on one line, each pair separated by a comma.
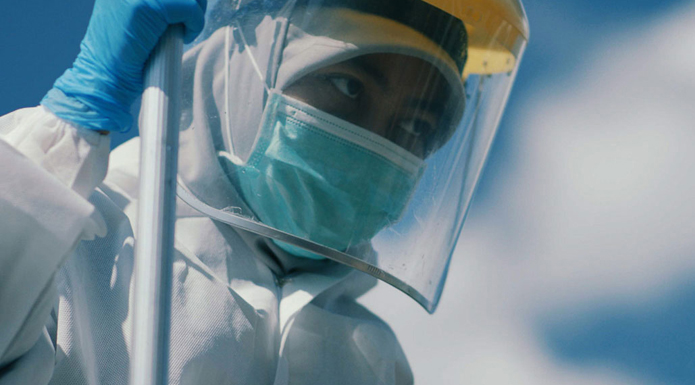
[[47, 170]]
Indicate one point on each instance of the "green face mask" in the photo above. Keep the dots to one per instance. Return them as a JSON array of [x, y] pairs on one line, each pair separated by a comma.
[[324, 179]]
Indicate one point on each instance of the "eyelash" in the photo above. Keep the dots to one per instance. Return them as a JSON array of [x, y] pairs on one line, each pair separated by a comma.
[[334, 79]]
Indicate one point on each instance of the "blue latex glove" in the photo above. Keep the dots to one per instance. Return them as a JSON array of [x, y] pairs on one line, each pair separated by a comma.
[[107, 76]]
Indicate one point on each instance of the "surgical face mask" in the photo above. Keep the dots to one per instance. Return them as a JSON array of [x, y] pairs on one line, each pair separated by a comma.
[[323, 179]]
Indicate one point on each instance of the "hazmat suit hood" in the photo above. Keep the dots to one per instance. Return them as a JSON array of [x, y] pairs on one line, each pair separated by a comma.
[[248, 56]]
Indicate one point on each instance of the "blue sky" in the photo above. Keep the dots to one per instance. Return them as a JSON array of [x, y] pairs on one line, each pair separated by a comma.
[[647, 338], [656, 341]]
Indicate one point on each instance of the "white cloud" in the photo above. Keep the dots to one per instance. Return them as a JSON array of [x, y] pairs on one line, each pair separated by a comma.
[[598, 208], [608, 184]]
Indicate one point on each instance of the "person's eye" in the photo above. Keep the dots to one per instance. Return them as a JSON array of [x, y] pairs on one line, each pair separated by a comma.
[[418, 128], [417, 136], [348, 86]]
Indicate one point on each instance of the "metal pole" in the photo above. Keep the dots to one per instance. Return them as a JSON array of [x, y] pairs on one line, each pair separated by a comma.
[[154, 245]]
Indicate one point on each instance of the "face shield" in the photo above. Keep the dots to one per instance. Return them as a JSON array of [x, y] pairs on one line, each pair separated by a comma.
[[351, 130]]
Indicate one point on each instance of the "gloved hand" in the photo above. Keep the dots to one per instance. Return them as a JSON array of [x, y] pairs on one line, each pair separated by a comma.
[[107, 76]]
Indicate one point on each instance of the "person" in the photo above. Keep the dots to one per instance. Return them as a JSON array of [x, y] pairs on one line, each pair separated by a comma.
[[316, 119]]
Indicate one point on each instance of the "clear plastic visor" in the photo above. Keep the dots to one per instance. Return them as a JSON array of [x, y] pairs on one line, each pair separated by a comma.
[[343, 131]]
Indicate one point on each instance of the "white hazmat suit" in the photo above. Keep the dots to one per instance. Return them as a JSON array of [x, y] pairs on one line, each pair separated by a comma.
[[237, 317], [243, 310]]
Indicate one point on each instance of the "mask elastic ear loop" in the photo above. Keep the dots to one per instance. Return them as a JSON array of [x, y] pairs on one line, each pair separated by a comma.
[[231, 155], [227, 132], [240, 12], [256, 67]]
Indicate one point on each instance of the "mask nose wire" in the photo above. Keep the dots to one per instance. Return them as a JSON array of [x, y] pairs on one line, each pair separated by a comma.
[[231, 155]]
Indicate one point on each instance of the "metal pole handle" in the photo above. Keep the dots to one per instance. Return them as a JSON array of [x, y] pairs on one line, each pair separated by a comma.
[[154, 246]]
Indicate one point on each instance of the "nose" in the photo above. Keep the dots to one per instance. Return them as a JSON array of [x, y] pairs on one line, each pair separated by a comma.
[[378, 117]]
